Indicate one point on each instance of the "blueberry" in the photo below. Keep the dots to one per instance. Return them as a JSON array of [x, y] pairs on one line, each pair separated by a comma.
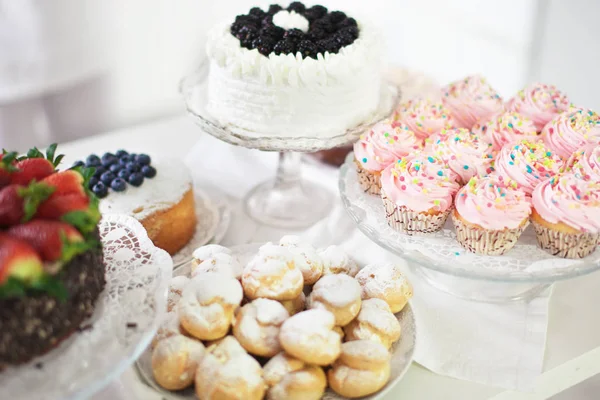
[[107, 177], [99, 171], [92, 161], [132, 157], [100, 190], [124, 160], [109, 159], [93, 181], [118, 185], [121, 153], [115, 168], [149, 171], [123, 174], [136, 179], [143, 159], [133, 167], [78, 164]]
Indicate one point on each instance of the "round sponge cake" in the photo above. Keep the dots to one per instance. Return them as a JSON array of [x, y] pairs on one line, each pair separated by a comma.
[[164, 205]]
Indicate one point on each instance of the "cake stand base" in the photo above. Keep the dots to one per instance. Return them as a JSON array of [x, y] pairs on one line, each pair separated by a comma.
[[288, 201]]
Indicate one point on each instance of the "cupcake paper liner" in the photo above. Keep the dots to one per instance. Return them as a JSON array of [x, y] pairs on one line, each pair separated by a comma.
[[566, 245], [369, 181], [410, 222], [486, 242]]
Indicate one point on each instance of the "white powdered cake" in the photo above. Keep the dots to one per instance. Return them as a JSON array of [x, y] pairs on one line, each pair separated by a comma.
[[167, 188], [289, 96]]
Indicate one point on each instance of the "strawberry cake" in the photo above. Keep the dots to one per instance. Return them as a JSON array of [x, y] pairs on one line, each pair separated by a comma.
[[156, 192], [51, 263]]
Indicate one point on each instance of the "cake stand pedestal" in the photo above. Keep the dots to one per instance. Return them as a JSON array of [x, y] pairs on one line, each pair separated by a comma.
[[288, 201]]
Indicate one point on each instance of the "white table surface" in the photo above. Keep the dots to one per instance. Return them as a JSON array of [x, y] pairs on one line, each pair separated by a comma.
[[573, 344]]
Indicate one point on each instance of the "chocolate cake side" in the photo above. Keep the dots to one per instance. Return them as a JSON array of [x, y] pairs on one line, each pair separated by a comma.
[[34, 324]]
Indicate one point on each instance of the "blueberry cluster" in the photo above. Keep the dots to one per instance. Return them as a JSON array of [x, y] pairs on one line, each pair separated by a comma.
[[115, 171], [328, 31]]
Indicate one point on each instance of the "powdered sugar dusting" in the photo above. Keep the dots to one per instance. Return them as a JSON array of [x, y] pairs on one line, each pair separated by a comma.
[[167, 188], [221, 263], [338, 290], [366, 350], [210, 285], [336, 261], [270, 312], [376, 279], [377, 313], [310, 322], [306, 257], [209, 251]]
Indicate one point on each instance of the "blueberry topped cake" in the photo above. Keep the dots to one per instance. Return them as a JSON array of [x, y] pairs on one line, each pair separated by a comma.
[[294, 72], [158, 192], [51, 264]]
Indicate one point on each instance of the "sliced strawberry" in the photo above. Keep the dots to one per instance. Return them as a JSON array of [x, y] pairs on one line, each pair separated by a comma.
[[20, 203], [19, 260], [35, 166], [53, 240], [66, 182], [7, 168]]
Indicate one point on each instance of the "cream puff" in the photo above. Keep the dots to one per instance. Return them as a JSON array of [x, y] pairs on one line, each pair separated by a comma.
[[175, 360], [256, 326], [309, 336], [306, 258], [374, 322], [385, 282], [291, 379], [337, 261], [208, 251], [272, 274], [169, 327], [221, 263], [227, 372], [339, 294], [363, 368], [176, 287], [207, 305], [295, 306]]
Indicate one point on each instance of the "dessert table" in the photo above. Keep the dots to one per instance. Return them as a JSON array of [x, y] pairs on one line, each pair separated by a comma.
[[573, 340]]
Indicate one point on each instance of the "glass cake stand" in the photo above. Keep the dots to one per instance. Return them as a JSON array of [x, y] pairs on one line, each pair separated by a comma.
[[520, 274], [288, 201]]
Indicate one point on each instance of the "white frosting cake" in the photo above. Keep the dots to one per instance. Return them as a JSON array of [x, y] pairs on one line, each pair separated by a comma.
[[167, 188], [287, 95]]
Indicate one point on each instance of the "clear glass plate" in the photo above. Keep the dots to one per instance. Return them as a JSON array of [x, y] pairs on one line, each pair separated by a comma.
[[440, 251], [125, 320], [402, 351]]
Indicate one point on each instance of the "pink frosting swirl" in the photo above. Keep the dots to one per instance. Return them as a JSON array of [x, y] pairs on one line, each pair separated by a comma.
[[569, 200], [481, 127], [465, 153], [527, 163], [385, 144], [585, 163], [509, 127], [420, 183], [540, 103], [491, 204], [470, 100], [570, 131], [424, 117]]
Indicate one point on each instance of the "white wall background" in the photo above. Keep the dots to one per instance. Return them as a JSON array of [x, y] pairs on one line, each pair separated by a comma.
[[150, 44]]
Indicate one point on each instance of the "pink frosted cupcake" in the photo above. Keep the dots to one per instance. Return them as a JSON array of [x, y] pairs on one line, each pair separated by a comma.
[[470, 100], [424, 117], [570, 131], [417, 194], [527, 164], [585, 163], [490, 216], [464, 152], [383, 145], [509, 127], [540, 103], [566, 216]]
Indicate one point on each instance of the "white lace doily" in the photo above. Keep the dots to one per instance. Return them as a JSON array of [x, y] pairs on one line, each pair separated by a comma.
[[209, 214], [402, 351], [125, 320], [440, 251]]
